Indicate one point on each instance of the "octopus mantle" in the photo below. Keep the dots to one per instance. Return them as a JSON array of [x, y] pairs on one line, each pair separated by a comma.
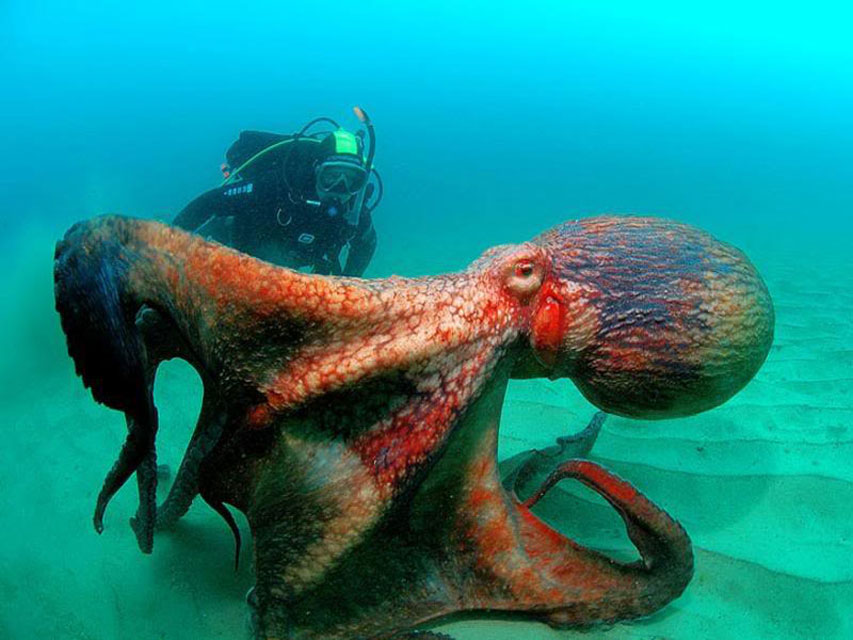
[[354, 422]]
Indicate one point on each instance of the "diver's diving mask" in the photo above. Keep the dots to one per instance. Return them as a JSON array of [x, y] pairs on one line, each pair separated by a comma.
[[340, 178]]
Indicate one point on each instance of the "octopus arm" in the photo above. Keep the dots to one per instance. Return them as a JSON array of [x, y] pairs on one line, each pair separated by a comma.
[[524, 471], [132, 293]]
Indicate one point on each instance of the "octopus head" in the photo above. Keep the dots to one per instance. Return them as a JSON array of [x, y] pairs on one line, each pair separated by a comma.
[[650, 318]]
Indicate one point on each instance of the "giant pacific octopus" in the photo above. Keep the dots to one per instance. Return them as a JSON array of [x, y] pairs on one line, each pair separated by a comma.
[[355, 422]]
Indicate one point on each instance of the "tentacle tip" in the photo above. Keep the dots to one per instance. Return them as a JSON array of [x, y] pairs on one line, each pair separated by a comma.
[[144, 536]]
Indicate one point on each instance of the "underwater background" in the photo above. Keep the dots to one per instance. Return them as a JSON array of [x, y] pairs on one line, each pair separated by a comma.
[[494, 122]]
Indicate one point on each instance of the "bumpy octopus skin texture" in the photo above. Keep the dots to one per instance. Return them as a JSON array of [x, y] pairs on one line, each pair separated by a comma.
[[354, 422]]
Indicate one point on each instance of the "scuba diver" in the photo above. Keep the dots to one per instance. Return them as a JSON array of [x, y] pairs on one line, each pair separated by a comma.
[[296, 200]]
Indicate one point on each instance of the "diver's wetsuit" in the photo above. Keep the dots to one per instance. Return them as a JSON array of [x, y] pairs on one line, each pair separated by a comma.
[[274, 213]]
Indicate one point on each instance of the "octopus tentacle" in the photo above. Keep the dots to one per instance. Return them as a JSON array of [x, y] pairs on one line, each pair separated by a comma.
[[521, 472], [186, 485], [223, 511], [106, 345], [613, 590], [137, 446], [143, 522]]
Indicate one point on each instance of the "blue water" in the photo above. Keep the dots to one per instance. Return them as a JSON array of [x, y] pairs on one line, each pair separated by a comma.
[[494, 122]]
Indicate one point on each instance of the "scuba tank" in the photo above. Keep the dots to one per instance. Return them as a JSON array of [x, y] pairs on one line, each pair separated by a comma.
[[250, 143], [251, 146]]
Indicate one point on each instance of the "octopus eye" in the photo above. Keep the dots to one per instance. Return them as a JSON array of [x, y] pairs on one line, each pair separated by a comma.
[[524, 269], [524, 277]]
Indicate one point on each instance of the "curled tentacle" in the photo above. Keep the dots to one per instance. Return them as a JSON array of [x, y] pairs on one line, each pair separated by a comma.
[[612, 590], [522, 471]]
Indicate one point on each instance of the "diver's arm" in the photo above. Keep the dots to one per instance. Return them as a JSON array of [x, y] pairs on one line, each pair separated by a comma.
[[206, 206], [361, 248]]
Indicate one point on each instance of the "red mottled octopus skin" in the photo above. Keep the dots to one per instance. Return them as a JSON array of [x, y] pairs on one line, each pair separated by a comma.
[[354, 422]]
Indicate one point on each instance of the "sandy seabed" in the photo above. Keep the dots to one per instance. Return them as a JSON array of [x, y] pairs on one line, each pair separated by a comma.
[[763, 485]]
